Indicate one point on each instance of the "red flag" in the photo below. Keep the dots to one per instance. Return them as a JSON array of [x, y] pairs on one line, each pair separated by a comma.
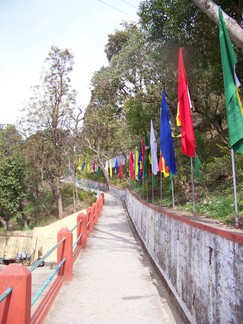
[[184, 117], [93, 167], [143, 154], [131, 164], [120, 170]]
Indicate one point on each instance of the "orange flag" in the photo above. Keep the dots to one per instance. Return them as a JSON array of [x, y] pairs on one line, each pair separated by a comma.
[[163, 167]]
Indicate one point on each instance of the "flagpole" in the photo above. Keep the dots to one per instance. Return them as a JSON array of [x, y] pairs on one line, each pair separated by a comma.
[[173, 195], [193, 188], [152, 187], [160, 188], [235, 190], [147, 191]]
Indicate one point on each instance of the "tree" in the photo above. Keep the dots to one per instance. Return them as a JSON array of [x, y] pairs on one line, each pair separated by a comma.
[[163, 19], [13, 189], [234, 25], [115, 43], [10, 141], [52, 111]]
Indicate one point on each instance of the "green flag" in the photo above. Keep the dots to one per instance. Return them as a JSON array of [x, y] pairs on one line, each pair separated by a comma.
[[231, 84], [146, 159], [197, 166]]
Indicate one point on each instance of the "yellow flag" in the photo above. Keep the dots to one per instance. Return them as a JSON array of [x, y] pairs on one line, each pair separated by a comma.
[[136, 163], [110, 169]]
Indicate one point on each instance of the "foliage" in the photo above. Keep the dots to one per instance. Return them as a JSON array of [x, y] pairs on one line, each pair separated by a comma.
[[12, 187], [49, 117], [10, 141]]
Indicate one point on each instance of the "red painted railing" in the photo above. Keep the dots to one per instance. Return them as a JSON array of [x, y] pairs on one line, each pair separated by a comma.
[[16, 307]]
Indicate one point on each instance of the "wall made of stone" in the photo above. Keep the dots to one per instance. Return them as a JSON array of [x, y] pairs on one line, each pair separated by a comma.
[[117, 192], [90, 184], [202, 264], [15, 242], [45, 238], [40, 239]]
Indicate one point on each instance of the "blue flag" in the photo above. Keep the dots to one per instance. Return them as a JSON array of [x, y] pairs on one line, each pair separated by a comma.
[[166, 141], [117, 167]]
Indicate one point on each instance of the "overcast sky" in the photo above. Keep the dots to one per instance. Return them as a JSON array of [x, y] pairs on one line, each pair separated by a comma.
[[28, 29]]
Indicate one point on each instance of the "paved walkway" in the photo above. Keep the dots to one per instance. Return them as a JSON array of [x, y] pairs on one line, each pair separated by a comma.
[[112, 282]]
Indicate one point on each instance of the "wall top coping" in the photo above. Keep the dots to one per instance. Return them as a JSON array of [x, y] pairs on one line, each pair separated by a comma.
[[232, 234]]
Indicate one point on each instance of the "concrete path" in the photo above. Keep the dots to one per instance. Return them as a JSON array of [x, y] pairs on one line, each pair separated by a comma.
[[112, 282]]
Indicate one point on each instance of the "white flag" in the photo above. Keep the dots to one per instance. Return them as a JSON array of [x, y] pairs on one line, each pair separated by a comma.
[[153, 147]]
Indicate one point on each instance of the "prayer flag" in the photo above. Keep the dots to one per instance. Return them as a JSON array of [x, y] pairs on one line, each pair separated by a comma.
[[197, 166], [231, 83], [146, 156], [143, 153], [131, 165], [163, 167], [93, 167], [140, 164], [184, 117], [153, 146], [136, 163], [120, 171], [110, 168], [117, 166], [166, 141]]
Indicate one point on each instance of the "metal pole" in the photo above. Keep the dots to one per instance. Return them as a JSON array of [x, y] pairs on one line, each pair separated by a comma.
[[172, 189], [147, 191], [235, 189], [160, 188], [193, 189], [152, 187]]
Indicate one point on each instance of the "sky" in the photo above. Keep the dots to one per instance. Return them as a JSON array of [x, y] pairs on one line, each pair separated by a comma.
[[28, 29]]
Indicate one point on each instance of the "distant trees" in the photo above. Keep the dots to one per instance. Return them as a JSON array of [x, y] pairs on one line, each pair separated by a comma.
[[50, 115], [13, 176]]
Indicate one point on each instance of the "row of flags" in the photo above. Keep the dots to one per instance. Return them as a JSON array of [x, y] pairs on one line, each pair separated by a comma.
[[234, 109], [167, 162], [145, 159], [92, 167]]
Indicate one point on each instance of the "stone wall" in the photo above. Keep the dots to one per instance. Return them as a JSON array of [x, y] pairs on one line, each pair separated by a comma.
[[100, 186], [201, 263], [117, 192], [40, 239], [44, 238], [15, 242], [90, 184]]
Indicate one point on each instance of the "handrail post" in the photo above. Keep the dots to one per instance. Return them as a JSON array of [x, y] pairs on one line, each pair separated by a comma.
[[89, 212], [79, 231], [65, 251], [101, 203], [95, 214], [103, 198], [98, 207], [83, 217], [16, 308]]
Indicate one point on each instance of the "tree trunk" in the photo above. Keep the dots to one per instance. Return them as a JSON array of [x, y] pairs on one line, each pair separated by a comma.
[[60, 205], [56, 190], [4, 223], [210, 8], [23, 216], [105, 174], [59, 198]]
